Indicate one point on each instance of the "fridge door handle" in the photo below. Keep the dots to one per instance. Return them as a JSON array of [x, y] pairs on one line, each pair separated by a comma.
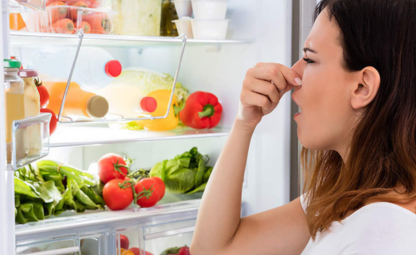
[[170, 233], [57, 251]]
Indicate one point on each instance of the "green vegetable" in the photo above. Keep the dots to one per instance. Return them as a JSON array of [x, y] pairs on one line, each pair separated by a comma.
[[185, 174], [49, 188], [199, 189], [173, 250]]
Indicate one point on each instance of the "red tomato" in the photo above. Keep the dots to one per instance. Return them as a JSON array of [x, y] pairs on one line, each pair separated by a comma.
[[43, 93], [136, 251], [184, 251], [116, 197], [124, 242], [111, 166], [160, 186], [147, 192], [53, 122]]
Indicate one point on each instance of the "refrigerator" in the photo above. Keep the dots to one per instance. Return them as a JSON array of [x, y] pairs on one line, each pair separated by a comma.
[[259, 31]]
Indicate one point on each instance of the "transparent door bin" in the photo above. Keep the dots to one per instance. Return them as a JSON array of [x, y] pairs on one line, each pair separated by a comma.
[[158, 238], [128, 240], [68, 245], [30, 141], [94, 244]]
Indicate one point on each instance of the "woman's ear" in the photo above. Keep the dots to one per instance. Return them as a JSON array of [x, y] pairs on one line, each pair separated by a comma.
[[366, 89]]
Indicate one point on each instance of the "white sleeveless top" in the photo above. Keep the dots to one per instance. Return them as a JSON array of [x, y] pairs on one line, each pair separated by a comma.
[[375, 229]]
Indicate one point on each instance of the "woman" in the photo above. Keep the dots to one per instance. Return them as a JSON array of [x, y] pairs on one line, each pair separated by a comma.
[[356, 87]]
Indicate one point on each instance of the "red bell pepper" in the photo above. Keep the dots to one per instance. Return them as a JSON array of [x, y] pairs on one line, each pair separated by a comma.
[[202, 110]]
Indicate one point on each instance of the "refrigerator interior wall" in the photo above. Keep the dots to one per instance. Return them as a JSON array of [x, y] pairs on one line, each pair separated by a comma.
[[220, 71]]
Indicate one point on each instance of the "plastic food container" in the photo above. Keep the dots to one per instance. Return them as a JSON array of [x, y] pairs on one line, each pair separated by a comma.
[[68, 19], [183, 8], [210, 29], [184, 26], [209, 9], [34, 4]]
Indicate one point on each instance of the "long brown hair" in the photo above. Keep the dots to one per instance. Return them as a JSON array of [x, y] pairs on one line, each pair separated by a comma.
[[382, 153]]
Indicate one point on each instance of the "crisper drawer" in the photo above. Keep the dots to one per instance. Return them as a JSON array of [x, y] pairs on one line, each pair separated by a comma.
[[85, 244], [155, 239]]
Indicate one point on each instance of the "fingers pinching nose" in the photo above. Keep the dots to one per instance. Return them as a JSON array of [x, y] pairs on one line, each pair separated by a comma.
[[298, 81]]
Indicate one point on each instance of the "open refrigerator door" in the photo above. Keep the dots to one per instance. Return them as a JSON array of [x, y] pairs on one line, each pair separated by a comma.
[[102, 80]]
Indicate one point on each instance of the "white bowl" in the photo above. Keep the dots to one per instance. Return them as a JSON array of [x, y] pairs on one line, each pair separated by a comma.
[[183, 8], [210, 29], [184, 26], [209, 9]]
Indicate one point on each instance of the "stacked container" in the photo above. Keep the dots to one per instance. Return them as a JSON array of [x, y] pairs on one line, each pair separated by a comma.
[[209, 22]]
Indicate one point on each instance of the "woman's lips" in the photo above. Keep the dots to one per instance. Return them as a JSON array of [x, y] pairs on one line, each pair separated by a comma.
[[296, 115]]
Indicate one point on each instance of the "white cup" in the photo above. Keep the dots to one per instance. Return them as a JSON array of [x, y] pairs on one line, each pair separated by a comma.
[[183, 8], [184, 26], [209, 9], [210, 29]]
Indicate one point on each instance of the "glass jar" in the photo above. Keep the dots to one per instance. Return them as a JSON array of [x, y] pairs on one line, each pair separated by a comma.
[[14, 99], [167, 26], [32, 134]]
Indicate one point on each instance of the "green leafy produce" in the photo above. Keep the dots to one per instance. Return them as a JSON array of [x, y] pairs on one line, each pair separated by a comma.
[[173, 250], [186, 173], [50, 188]]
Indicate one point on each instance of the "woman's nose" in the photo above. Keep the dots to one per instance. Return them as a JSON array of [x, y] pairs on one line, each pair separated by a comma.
[[298, 67]]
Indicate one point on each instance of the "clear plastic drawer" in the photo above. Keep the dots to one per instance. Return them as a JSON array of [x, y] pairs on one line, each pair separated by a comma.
[[68, 245], [155, 239]]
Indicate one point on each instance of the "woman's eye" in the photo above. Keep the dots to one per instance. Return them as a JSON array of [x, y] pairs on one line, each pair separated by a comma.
[[309, 61]]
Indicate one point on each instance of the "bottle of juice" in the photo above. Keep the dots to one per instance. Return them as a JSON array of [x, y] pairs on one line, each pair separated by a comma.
[[78, 103], [14, 97], [162, 97], [127, 100]]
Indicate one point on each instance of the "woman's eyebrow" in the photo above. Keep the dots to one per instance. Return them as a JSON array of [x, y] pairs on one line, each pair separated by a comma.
[[309, 49]]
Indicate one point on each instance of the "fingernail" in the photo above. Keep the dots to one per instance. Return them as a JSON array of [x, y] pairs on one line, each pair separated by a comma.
[[298, 81]]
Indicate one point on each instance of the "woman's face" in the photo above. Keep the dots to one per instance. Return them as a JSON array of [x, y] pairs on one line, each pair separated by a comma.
[[327, 117]]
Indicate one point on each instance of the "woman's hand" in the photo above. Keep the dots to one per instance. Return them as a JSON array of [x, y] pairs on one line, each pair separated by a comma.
[[263, 87]]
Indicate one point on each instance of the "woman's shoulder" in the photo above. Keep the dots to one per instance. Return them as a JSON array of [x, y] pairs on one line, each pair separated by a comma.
[[380, 212], [381, 228]]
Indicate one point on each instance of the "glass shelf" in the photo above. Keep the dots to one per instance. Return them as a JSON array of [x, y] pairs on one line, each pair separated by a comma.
[[78, 135], [35, 39], [73, 220]]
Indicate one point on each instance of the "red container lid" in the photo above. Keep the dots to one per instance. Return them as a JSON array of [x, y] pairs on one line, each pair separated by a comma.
[[148, 104], [26, 73], [113, 68]]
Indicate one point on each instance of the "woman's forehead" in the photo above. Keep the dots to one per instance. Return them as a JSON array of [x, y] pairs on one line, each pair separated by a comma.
[[324, 35]]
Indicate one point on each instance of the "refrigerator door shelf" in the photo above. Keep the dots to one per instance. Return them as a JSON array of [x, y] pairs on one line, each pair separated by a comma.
[[21, 39], [30, 141]]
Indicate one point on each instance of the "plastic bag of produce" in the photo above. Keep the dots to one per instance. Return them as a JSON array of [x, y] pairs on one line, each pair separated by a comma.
[[137, 17]]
